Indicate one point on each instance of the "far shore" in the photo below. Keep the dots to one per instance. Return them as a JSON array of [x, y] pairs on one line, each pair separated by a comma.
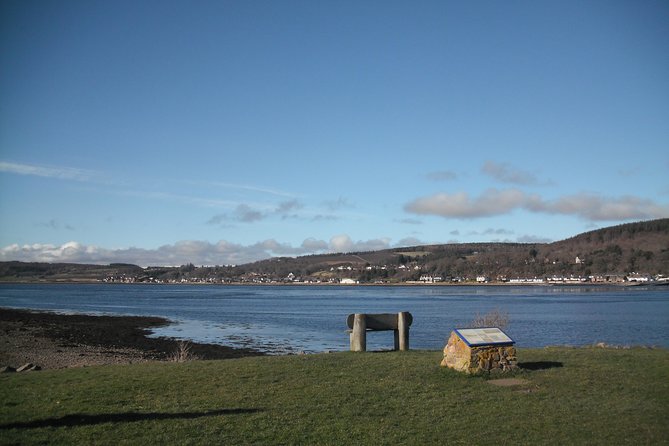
[[393, 284]]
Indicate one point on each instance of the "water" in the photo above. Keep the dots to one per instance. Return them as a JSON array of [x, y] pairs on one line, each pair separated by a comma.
[[282, 319]]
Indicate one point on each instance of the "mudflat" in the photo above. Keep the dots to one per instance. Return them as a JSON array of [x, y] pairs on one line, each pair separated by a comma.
[[53, 340]]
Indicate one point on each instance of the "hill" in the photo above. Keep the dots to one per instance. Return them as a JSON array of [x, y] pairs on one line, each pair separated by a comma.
[[634, 251], [617, 251]]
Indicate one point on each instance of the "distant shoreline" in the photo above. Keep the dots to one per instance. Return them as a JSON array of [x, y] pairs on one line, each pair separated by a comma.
[[326, 284]]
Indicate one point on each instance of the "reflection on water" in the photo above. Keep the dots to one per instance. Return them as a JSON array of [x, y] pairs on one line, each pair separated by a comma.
[[281, 319]]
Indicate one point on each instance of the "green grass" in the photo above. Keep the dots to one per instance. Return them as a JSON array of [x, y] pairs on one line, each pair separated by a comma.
[[594, 396]]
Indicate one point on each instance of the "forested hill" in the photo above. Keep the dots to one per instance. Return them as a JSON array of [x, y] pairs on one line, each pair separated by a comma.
[[609, 254]]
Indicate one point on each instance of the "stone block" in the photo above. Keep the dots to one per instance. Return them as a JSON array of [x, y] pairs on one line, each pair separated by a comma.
[[476, 359]]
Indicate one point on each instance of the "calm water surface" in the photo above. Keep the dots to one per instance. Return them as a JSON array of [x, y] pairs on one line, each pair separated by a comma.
[[311, 319]]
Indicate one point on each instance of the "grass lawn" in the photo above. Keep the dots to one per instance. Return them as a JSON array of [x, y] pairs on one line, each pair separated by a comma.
[[568, 396]]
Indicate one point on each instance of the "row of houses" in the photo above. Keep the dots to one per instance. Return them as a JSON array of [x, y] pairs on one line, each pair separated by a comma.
[[609, 278]]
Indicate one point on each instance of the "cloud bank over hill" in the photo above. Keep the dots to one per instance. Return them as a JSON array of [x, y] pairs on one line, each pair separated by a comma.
[[187, 251]]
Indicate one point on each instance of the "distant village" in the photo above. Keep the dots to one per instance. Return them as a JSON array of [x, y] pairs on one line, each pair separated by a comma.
[[349, 274]]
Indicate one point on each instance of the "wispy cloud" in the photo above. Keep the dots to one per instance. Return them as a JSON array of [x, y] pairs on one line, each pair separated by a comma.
[[171, 197], [495, 202], [324, 217], [289, 209], [410, 221], [242, 210], [60, 173], [244, 213], [441, 175], [506, 174], [251, 188], [55, 225], [633, 171], [338, 204]]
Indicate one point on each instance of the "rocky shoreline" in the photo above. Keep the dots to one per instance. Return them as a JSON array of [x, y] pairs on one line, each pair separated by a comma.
[[54, 341]]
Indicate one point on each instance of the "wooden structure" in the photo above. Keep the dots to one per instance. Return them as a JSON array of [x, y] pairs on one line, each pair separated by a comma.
[[359, 324]]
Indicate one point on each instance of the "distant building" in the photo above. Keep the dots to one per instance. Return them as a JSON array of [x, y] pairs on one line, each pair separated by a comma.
[[638, 278]]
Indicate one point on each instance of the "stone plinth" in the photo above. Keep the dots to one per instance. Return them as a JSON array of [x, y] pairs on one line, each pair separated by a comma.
[[460, 356]]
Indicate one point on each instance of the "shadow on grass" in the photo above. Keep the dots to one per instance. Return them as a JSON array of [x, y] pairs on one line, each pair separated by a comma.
[[126, 417], [540, 365]]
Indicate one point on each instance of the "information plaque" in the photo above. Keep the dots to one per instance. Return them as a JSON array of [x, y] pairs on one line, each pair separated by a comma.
[[483, 336]]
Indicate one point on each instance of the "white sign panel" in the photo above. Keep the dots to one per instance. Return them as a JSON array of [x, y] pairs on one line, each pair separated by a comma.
[[483, 336]]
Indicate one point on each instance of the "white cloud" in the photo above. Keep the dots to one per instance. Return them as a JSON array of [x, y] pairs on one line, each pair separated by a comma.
[[533, 239], [313, 245], [182, 252], [372, 245], [341, 243], [460, 205], [596, 208], [344, 243], [498, 202]]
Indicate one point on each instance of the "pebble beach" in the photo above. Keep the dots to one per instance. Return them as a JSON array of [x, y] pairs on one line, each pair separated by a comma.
[[55, 341]]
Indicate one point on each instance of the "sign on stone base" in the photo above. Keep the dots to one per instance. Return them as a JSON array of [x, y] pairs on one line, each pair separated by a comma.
[[475, 350]]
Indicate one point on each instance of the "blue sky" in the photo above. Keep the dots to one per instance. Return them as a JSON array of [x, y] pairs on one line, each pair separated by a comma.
[[217, 132]]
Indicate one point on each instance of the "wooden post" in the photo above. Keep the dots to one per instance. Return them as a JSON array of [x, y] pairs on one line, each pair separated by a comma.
[[403, 330], [359, 333]]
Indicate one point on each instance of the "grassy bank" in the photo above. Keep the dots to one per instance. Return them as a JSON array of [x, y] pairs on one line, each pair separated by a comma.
[[568, 396]]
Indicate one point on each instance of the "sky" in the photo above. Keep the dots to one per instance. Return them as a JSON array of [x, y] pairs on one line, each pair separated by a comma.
[[224, 132]]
